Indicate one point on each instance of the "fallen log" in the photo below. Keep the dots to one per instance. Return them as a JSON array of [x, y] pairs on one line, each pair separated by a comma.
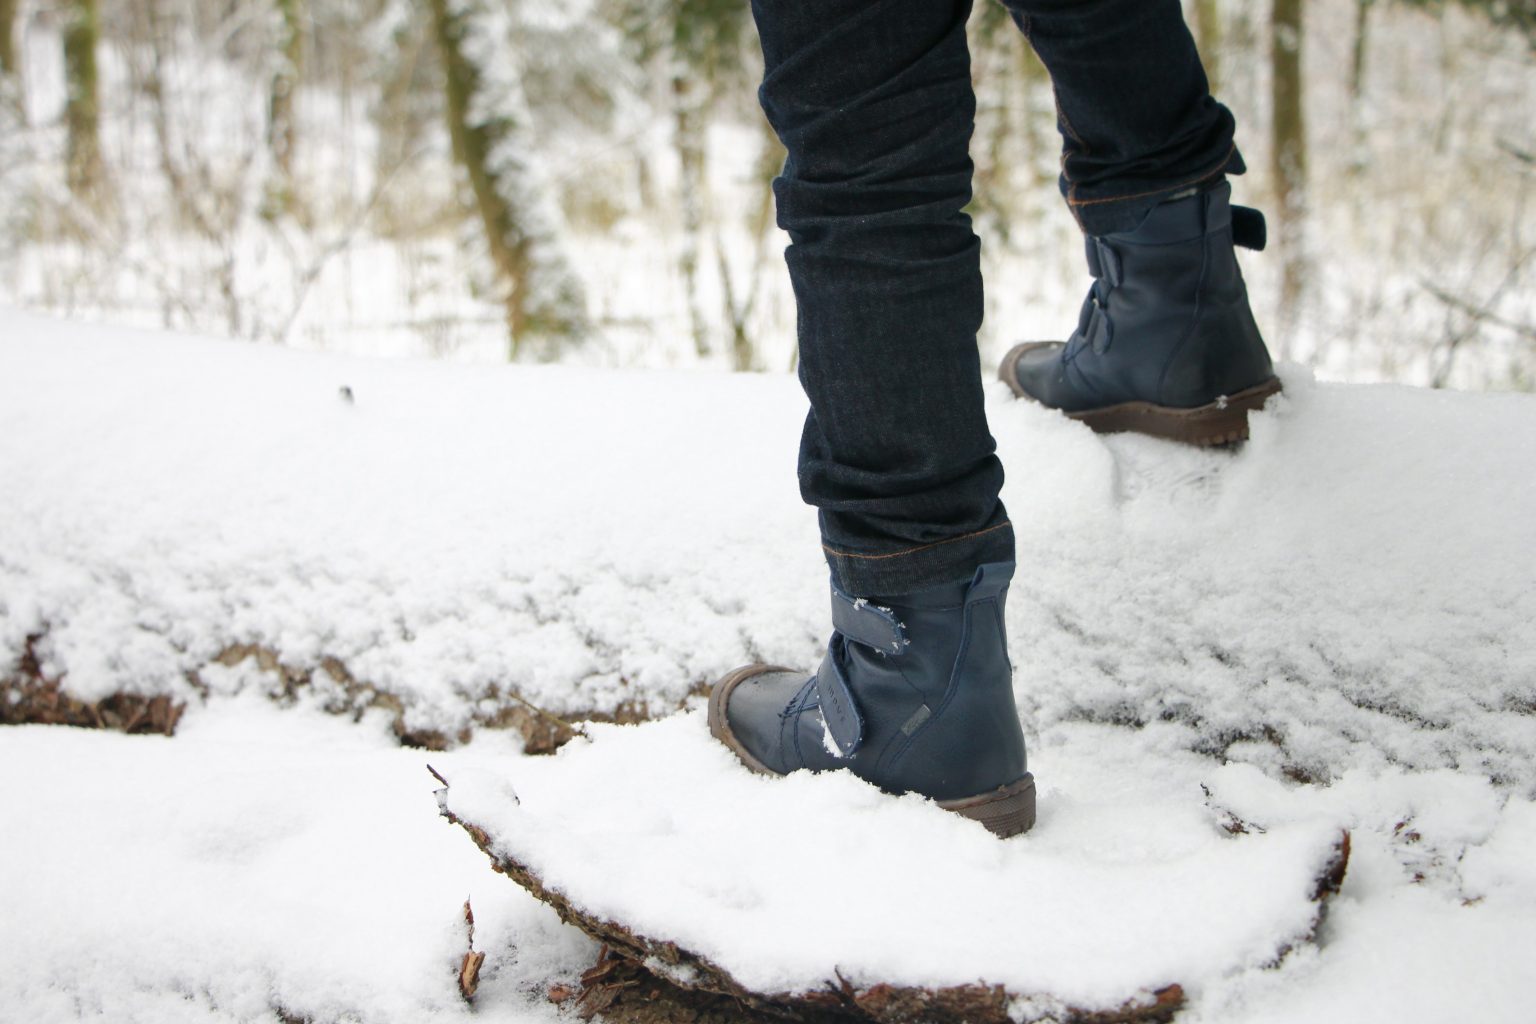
[[643, 977]]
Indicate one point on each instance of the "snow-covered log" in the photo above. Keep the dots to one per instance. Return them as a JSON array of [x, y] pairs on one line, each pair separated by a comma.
[[192, 518], [818, 898]]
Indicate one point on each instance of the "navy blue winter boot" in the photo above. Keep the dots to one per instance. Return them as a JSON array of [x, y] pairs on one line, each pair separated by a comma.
[[1166, 344], [915, 694]]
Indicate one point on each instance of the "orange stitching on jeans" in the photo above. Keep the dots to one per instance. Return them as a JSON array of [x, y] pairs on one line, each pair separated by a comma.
[[1160, 191], [913, 551]]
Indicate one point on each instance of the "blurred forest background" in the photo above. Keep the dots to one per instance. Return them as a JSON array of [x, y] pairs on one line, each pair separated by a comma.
[[588, 180]]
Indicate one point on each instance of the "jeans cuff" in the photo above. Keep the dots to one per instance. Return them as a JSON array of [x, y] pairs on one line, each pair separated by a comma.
[[953, 560], [1110, 213]]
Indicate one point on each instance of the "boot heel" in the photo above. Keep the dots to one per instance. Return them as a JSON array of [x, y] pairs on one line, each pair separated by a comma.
[[1219, 423], [1006, 811]]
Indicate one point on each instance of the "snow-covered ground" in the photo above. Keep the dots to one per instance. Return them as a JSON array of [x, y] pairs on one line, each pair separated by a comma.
[[261, 862], [1333, 627]]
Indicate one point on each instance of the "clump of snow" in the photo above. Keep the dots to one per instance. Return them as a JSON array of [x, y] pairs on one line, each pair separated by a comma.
[[828, 741], [1126, 884]]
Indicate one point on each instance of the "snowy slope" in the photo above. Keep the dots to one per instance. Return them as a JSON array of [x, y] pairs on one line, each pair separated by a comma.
[[1350, 598]]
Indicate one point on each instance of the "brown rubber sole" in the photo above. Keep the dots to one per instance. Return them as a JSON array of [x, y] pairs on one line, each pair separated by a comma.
[[1224, 421], [1006, 811]]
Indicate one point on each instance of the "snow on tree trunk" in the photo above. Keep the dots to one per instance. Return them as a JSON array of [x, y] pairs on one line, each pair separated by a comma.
[[82, 106], [688, 137], [489, 123], [1288, 156]]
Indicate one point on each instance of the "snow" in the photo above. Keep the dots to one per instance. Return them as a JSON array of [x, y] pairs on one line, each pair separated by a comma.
[[787, 883], [260, 861], [1353, 589], [1334, 627], [455, 530]]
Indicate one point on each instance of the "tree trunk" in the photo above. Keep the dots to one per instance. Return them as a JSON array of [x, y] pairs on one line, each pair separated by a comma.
[[689, 139], [738, 309], [541, 295], [281, 130], [1040, 135], [82, 107], [1208, 39], [13, 104], [9, 63], [1289, 155], [1357, 57]]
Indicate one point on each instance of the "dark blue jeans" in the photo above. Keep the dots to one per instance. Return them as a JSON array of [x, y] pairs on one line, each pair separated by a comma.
[[873, 101]]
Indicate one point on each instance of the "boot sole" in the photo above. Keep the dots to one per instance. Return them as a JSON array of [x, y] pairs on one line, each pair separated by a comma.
[[1005, 811], [1224, 421]]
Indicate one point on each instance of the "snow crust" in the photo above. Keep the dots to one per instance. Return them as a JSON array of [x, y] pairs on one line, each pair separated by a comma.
[[269, 858], [788, 883], [450, 533], [1356, 588]]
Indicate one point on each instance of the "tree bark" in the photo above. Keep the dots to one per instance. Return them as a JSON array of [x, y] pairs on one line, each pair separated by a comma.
[[82, 105], [1289, 152]]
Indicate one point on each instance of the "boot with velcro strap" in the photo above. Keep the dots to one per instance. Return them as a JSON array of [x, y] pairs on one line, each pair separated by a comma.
[[1166, 343], [915, 694]]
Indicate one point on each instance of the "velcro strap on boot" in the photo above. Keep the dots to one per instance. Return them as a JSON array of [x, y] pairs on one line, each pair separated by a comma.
[[1103, 260], [868, 624], [1249, 229], [990, 580], [839, 711], [1101, 329]]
